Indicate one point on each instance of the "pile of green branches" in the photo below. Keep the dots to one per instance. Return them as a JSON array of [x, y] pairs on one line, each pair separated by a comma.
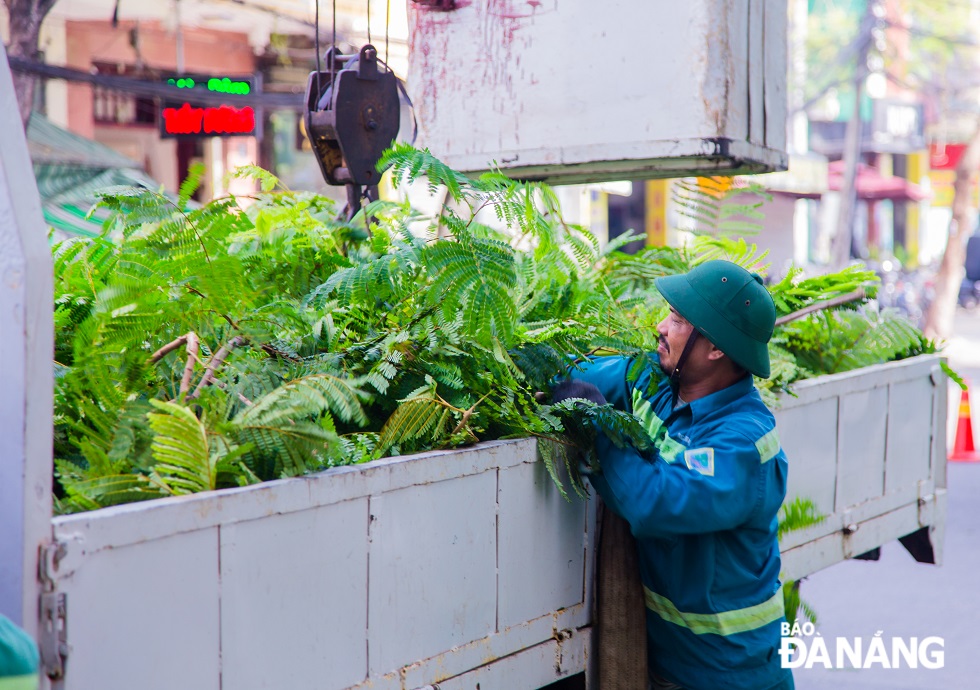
[[232, 344]]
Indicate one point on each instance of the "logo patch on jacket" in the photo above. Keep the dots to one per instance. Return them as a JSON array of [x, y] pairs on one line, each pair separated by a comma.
[[701, 460]]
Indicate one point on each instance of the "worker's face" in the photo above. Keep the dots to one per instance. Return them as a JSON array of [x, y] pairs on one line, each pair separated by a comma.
[[674, 332]]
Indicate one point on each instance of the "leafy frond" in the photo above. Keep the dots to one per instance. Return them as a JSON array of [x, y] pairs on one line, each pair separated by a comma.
[[411, 163], [422, 416], [798, 514], [180, 449], [190, 185], [308, 397]]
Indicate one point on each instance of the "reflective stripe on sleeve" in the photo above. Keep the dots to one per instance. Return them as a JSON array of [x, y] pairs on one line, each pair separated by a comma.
[[28, 682], [670, 450], [724, 623], [768, 446], [643, 410]]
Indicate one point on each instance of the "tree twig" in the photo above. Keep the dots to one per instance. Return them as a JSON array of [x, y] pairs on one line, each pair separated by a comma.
[[215, 364], [192, 346], [827, 304], [466, 416], [168, 348]]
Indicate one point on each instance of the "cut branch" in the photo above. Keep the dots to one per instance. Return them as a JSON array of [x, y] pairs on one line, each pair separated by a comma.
[[170, 347], [817, 306], [215, 364], [192, 346]]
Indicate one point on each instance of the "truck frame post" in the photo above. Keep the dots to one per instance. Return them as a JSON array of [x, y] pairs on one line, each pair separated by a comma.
[[26, 372]]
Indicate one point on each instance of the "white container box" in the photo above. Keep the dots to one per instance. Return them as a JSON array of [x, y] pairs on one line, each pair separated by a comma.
[[580, 91]]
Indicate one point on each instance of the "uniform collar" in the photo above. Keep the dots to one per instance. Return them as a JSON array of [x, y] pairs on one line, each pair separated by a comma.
[[719, 399]]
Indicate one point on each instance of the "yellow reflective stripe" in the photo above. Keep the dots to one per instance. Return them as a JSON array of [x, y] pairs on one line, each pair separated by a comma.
[[670, 450], [28, 682], [643, 410], [724, 623], [768, 446]]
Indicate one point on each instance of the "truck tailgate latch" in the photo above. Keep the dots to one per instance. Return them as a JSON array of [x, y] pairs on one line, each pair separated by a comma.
[[53, 632]]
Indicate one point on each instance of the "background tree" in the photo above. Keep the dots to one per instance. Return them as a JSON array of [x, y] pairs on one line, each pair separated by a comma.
[[26, 17], [929, 47]]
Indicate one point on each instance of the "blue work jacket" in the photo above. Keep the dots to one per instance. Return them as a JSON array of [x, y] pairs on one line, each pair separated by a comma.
[[703, 510]]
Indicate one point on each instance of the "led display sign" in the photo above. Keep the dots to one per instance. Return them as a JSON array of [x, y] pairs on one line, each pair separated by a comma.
[[179, 118], [209, 122]]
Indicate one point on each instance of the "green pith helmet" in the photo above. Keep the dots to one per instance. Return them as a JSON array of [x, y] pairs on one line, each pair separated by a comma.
[[729, 306]]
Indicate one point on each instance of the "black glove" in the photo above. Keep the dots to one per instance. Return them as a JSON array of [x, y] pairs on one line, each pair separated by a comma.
[[571, 388]]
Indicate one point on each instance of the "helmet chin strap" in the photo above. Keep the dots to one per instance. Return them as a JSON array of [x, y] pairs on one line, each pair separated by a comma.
[[675, 375]]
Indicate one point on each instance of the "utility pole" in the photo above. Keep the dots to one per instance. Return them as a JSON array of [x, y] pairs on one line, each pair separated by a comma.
[[843, 240]]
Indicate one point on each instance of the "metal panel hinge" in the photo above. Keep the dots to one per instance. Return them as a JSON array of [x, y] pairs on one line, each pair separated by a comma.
[[53, 631]]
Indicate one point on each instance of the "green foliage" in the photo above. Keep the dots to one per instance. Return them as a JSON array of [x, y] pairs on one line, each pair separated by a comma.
[[842, 340], [721, 204], [953, 376], [570, 453], [222, 345], [797, 514], [200, 348]]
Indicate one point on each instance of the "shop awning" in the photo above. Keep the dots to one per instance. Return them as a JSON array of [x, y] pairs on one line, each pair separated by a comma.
[[71, 171], [873, 186]]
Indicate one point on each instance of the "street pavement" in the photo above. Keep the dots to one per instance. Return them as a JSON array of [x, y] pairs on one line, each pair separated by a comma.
[[905, 599]]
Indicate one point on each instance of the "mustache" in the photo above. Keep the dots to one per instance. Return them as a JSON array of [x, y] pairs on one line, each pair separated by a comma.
[[663, 342]]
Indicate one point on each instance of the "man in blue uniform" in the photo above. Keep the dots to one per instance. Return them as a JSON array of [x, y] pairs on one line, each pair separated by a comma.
[[18, 658], [703, 506]]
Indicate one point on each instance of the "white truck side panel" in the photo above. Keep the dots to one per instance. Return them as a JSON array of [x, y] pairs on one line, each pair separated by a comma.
[[538, 526], [868, 447], [433, 570], [149, 615], [395, 574], [293, 594]]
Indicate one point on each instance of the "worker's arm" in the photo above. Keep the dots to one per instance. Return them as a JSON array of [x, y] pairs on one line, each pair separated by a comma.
[[608, 374], [660, 499]]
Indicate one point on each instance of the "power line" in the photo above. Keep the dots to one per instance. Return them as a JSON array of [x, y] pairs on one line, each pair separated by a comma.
[[152, 89]]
